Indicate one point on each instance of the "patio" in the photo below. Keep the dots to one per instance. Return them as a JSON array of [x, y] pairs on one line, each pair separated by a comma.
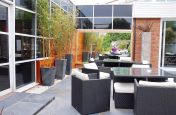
[[72, 57]]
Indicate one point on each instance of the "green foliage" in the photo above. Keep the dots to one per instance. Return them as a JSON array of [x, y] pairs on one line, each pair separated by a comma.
[[114, 37], [89, 39], [57, 25], [93, 39]]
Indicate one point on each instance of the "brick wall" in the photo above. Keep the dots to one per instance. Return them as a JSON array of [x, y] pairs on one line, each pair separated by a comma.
[[155, 36]]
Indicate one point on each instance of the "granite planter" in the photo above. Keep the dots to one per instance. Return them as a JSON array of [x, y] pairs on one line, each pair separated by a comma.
[[69, 58], [60, 68], [48, 75]]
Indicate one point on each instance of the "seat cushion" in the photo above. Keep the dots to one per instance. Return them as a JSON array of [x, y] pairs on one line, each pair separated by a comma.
[[124, 87], [140, 66], [81, 75], [104, 75], [157, 84], [91, 66]]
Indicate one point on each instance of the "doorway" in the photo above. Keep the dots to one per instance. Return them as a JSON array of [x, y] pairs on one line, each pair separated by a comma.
[[169, 44]]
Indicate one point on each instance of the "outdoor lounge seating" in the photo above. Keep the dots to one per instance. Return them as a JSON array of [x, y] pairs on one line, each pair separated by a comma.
[[103, 72], [124, 95], [90, 95], [155, 98]]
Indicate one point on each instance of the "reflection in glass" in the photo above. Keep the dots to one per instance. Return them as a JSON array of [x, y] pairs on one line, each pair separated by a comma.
[[84, 23], [103, 23], [25, 73], [24, 48], [3, 18], [64, 4], [4, 78], [4, 49], [170, 44], [24, 22], [122, 23], [103, 11], [28, 4], [39, 48], [123, 11], [85, 10]]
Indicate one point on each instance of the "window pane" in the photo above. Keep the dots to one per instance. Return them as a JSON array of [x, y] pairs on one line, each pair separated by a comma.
[[122, 23], [85, 11], [4, 49], [123, 11], [4, 78], [39, 48], [64, 4], [24, 22], [28, 4], [102, 23], [3, 18], [57, 1], [103, 11], [24, 48], [25, 73], [84, 23]]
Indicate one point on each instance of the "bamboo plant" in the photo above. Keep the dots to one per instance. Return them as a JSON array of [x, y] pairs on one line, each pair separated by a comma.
[[56, 25]]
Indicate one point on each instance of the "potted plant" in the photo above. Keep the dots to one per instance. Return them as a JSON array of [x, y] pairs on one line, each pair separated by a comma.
[[58, 29], [69, 34], [146, 41], [48, 71]]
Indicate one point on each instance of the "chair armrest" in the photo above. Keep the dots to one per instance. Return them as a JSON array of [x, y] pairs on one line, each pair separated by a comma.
[[87, 71]]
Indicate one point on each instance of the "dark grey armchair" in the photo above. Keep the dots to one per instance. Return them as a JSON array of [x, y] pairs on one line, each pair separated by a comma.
[[152, 100], [90, 96]]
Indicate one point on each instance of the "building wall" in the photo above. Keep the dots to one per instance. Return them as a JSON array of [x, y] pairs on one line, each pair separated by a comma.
[[155, 40], [154, 9]]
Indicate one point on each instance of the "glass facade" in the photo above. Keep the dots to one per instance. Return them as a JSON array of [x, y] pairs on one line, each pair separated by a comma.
[[24, 22], [122, 11], [24, 48], [25, 73], [103, 23], [122, 23], [102, 11], [4, 49], [4, 78], [39, 48], [85, 11], [28, 4], [104, 16], [3, 18], [85, 23]]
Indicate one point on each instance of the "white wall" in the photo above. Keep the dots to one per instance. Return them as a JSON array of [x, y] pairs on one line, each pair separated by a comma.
[[154, 10]]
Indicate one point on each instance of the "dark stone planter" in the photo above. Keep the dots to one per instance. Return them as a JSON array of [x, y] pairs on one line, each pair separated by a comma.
[[60, 68], [69, 58], [48, 76], [85, 56]]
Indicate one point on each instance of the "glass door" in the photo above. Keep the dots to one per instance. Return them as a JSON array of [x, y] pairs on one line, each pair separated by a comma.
[[169, 44], [4, 48]]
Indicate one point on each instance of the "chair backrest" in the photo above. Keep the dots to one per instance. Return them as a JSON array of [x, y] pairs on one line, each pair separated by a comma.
[[90, 66], [141, 66]]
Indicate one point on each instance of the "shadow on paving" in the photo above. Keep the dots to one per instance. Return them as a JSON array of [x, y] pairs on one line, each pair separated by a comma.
[[62, 103]]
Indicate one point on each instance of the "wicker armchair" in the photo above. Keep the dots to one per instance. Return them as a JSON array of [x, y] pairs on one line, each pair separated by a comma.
[[90, 96], [152, 100]]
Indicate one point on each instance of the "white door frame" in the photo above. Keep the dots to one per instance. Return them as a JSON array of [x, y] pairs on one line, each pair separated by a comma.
[[11, 41], [163, 23]]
